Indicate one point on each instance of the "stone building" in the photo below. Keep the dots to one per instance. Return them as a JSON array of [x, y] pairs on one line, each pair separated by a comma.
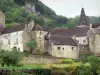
[[61, 42], [63, 46], [94, 40]]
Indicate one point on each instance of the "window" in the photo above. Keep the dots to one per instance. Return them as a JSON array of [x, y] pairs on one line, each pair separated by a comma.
[[84, 41], [16, 41], [40, 32], [72, 48], [59, 48], [1, 42], [9, 41]]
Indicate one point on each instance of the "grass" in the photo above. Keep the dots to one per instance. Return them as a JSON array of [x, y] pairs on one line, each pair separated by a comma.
[[35, 66]]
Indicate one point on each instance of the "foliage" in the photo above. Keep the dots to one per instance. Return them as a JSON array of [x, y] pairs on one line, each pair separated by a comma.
[[39, 20], [84, 70], [32, 45], [16, 73], [64, 68], [22, 2], [94, 63], [9, 58], [66, 61], [83, 58]]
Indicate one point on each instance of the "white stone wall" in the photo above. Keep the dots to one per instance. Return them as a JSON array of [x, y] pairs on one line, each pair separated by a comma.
[[82, 40], [97, 44], [65, 51], [11, 40], [40, 39]]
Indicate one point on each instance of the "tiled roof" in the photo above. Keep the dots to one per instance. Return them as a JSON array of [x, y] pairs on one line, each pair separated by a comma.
[[77, 31], [1, 28], [48, 29], [13, 29], [62, 40], [96, 25], [96, 30]]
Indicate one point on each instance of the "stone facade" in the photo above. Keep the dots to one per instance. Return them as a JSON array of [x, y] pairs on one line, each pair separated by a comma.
[[65, 51]]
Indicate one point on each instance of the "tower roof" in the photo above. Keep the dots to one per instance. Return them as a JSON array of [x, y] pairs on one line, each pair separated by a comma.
[[83, 18]]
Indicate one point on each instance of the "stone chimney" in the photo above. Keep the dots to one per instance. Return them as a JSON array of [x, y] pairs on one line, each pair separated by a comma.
[[2, 18], [90, 25]]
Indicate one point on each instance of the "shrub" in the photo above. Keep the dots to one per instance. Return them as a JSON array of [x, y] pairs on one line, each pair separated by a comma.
[[95, 64], [17, 73], [9, 58], [84, 70], [42, 71], [66, 61], [83, 58], [67, 68]]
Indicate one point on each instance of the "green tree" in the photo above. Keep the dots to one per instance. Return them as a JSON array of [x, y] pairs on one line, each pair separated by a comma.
[[32, 45], [50, 23], [9, 58], [95, 64]]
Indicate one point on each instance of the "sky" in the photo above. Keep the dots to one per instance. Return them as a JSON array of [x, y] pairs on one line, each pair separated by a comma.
[[72, 8]]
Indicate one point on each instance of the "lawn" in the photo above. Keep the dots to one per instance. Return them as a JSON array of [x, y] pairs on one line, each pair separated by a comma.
[[34, 66]]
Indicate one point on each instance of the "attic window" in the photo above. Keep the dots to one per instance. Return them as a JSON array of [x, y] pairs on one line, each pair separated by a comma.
[[72, 48], [58, 48]]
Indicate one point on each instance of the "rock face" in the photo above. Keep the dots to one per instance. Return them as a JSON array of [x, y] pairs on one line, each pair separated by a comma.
[[30, 7]]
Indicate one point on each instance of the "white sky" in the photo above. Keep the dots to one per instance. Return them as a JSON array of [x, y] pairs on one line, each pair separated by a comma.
[[71, 8]]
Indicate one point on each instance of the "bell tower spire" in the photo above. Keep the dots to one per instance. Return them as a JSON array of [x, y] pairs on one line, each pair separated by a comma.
[[83, 18]]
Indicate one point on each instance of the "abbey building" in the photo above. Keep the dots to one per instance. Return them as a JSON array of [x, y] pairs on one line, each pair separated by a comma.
[[57, 42]]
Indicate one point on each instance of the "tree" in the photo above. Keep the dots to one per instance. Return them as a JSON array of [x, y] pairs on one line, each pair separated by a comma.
[[32, 45], [22, 2], [9, 58], [95, 64], [50, 23]]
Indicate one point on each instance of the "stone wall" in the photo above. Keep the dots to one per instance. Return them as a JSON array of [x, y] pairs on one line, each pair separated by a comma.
[[40, 60]]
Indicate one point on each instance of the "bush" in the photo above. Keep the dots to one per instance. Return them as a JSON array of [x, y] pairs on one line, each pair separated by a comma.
[[83, 58], [42, 71], [66, 61], [66, 69], [84, 70], [95, 64], [17, 73], [9, 58]]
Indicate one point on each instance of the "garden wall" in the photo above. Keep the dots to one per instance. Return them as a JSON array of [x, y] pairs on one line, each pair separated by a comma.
[[40, 60]]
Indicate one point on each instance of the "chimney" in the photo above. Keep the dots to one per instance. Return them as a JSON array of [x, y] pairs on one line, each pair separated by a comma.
[[90, 25]]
